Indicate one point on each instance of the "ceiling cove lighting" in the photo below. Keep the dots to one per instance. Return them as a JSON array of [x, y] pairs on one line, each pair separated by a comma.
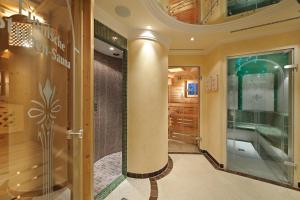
[[148, 35], [174, 70]]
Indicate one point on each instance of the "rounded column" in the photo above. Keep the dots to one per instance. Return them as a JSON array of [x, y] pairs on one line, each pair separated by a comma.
[[147, 104]]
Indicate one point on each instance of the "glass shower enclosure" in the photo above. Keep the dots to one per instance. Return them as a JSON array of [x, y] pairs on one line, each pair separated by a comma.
[[259, 115]]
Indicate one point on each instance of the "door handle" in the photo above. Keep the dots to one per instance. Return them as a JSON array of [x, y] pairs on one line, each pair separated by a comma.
[[71, 134], [290, 164]]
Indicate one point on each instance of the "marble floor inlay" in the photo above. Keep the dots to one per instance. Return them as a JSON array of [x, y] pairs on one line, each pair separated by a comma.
[[106, 170], [194, 178]]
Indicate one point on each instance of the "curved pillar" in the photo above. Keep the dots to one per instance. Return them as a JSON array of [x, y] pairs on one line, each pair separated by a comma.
[[147, 106]]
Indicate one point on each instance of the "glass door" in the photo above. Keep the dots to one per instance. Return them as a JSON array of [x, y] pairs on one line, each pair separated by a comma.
[[37, 68], [260, 128], [183, 106]]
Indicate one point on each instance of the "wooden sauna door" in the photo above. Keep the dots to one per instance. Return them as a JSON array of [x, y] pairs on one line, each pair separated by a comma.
[[184, 105]]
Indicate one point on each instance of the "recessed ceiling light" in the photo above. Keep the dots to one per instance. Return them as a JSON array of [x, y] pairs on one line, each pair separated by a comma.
[[276, 67], [149, 27], [192, 38], [111, 48], [173, 70]]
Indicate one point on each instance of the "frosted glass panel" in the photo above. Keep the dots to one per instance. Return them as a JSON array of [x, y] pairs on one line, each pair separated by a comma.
[[258, 92], [232, 92]]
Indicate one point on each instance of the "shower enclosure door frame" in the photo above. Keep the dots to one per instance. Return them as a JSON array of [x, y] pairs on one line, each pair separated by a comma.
[[292, 137], [107, 35]]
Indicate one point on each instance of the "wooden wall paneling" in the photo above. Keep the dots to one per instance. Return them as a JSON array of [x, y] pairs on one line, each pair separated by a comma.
[[184, 111], [186, 11], [75, 146]]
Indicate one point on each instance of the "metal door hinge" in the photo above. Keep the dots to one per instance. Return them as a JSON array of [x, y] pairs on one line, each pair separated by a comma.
[[199, 139], [71, 134], [290, 164]]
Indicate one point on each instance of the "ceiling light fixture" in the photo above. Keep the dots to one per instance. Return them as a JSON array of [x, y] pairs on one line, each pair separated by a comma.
[[192, 39], [174, 70], [147, 35], [111, 48]]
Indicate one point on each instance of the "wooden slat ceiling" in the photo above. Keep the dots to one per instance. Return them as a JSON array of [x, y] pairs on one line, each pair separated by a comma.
[[185, 10]]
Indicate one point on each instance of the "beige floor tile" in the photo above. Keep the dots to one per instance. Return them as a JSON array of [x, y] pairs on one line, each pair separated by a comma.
[[132, 189]]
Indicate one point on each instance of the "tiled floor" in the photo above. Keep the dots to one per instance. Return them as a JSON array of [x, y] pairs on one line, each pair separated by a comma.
[[194, 178], [131, 189], [176, 146], [106, 170]]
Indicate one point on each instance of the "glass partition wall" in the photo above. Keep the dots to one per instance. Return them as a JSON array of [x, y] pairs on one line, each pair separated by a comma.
[[259, 114]]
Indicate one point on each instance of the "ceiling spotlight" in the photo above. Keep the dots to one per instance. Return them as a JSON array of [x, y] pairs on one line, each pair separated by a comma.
[[192, 39], [111, 48], [149, 27]]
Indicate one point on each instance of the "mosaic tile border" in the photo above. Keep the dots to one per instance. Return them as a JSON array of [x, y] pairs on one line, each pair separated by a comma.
[[147, 175], [105, 192], [108, 35], [153, 180], [113, 38]]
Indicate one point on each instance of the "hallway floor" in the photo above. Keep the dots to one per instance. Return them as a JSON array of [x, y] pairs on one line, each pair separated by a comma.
[[194, 178], [181, 147]]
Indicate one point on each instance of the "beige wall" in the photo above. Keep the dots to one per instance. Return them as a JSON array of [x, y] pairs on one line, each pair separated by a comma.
[[213, 105], [147, 106], [186, 60]]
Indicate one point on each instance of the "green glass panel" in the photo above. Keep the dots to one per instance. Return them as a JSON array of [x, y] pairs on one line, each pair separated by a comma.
[[239, 6]]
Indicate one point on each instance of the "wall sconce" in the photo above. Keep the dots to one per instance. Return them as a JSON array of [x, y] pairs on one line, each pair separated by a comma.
[[20, 34]]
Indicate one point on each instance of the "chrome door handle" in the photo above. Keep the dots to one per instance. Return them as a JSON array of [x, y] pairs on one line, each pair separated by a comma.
[[290, 164], [71, 134], [294, 66]]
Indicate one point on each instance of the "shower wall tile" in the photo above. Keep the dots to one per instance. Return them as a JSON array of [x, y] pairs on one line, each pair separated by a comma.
[[108, 105]]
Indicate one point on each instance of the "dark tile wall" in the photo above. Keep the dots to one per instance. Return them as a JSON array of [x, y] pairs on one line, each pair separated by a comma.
[[108, 105]]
